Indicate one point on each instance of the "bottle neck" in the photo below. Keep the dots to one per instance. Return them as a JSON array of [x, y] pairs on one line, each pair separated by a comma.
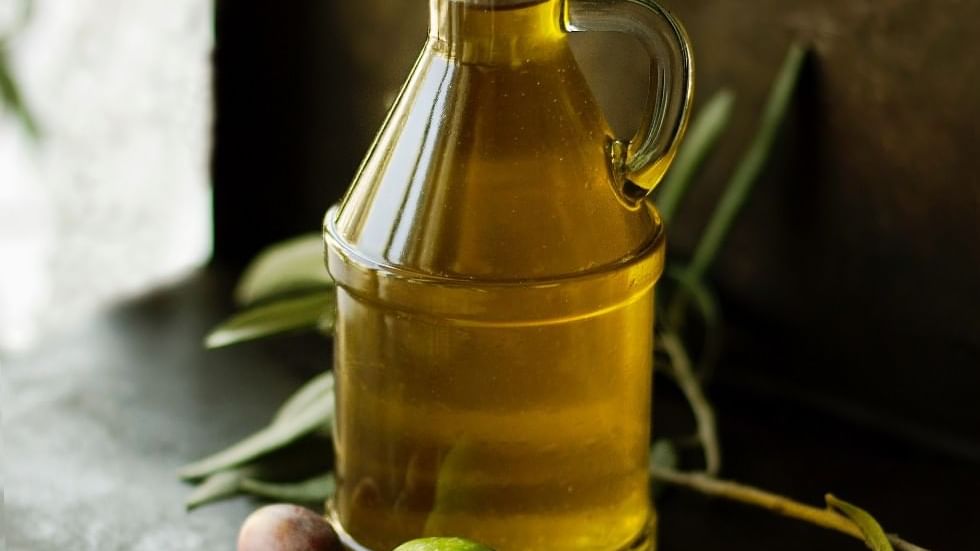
[[495, 31]]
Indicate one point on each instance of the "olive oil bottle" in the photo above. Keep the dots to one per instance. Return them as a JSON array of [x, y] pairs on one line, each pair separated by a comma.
[[495, 260]]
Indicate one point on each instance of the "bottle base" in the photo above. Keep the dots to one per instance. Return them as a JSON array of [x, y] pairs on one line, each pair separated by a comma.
[[346, 539], [644, 541]]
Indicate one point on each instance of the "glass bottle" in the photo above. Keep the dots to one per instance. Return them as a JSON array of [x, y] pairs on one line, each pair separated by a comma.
[[495, 260]]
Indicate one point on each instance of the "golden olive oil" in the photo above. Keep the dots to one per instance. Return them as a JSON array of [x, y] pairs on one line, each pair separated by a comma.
[[493, 348]]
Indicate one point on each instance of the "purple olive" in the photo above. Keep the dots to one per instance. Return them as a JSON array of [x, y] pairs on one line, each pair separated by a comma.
[[286, 528]]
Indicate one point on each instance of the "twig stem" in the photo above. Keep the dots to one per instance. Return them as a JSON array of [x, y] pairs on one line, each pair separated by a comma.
[[704, 414], [742, 493]]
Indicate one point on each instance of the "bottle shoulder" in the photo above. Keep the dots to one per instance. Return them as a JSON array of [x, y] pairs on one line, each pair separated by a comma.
[[493, 173]]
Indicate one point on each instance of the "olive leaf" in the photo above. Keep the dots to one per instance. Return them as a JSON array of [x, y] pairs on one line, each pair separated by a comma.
[[701, 139], [309, 457], [293, 265], [874, 535], [317, 388], [314, 490], [690, 291], [306, 312], [689, 288], [10, 94], [316, 415], [690, 279], [224, 484], [740, 185], [218, 486], [442, 544]]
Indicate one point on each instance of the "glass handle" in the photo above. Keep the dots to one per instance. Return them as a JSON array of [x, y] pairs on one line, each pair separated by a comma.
[[641, 163]]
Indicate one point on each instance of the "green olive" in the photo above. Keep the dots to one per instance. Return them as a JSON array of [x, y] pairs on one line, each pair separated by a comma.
[[442, 544]]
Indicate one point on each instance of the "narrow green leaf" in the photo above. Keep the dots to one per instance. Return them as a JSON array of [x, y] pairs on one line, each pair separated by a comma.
[[10, 95], [690, 288], [706, 306], [314, 490], [874, 535], [293, 265], [316, 416], [308, 457], [318, 388], [740, 185], [292, 314], [442, 544], [218, 486], [701, 139]]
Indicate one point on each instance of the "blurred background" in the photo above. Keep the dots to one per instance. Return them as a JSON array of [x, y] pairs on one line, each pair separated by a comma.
[[104, 148], [176, 135]]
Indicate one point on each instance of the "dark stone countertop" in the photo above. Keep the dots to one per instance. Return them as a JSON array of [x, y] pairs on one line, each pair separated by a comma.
[[98, 419]]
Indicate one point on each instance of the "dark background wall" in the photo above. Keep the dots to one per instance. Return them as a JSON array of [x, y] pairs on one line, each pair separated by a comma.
[[301, 88], [852, 280], [854, 274]]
